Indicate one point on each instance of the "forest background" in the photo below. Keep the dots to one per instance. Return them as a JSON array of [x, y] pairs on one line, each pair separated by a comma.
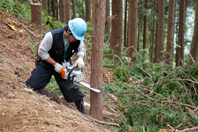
[[152, 58]]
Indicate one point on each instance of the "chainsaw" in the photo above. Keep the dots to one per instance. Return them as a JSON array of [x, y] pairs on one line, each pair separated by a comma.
[[77, 75]]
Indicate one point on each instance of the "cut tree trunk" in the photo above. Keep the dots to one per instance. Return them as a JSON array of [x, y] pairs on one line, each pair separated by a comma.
[[36, 16]]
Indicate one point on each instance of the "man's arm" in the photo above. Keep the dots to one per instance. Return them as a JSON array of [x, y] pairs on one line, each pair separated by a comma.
[[51, 61]]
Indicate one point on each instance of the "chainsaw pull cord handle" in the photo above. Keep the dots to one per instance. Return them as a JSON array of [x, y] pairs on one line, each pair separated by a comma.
[[71, 72]]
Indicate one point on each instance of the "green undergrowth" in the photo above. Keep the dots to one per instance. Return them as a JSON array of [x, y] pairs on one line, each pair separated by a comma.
[[153, 95]]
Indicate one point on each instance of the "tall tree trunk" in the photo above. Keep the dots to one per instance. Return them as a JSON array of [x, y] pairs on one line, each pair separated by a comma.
[[97, 59], [56, 10], [125, 23], [107, 23], [93, 10], [67, 11], [153, 32], [160, 31], [45, 5], [116, 28], [83, 15], [180, 47], [61, 7], [88, 10], [145, 26], [74, 8], [132, 29], [194, 44], [170, 32], [53, 8]]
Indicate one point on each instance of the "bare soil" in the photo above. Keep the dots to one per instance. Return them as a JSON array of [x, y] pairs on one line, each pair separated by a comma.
[[24, 110]]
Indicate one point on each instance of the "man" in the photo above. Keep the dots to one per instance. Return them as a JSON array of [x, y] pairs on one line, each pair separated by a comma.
[[55, 50]]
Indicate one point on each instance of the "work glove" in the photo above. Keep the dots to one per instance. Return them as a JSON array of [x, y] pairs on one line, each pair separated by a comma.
[[80, 63], [58, 67], [64, 73]]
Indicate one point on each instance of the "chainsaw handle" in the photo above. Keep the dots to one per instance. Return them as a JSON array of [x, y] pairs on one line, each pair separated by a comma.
[[71, 71]]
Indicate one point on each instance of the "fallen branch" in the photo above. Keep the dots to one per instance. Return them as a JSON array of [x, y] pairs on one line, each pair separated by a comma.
[[179, 104], [27, 29], [187, 80], [102, 122], [189, 129]]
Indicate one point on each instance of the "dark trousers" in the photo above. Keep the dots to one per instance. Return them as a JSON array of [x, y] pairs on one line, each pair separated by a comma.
[[41, 76]]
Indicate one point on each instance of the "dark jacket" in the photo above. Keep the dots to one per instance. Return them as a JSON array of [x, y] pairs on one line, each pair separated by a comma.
[[58, 49]]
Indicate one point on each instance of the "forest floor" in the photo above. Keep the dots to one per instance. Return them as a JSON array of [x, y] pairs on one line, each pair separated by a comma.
[[22, 109]]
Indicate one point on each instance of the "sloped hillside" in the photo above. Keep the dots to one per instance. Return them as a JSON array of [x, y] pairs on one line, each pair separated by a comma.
[[22, 109]]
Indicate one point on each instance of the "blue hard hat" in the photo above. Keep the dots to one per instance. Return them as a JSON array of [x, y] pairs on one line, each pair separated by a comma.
[[78, 28]]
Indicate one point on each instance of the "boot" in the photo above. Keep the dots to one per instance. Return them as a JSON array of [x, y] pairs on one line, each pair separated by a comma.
[[80, 107]]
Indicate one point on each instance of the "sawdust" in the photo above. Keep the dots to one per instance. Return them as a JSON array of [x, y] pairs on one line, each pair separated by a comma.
[[23, 110]]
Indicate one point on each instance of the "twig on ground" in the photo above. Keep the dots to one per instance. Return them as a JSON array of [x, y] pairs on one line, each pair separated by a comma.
[[116, 57], [189, 129], [102, 122]]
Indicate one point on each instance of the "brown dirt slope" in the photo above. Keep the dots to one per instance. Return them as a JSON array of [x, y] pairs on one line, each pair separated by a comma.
[[21, 109]]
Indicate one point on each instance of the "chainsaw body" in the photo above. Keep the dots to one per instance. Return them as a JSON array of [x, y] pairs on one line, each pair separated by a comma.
[[76, 75]]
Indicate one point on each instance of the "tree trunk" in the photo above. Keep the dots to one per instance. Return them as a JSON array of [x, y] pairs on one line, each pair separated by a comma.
[[160, 31], [93, 10], [145, 26], [67, 11], [56, 10], [170, 32], [180, 47], [83, 15], [53, 8], [61, 7], [194, 44], [88, 10], [116, 28], [153, 32], [132, 29], [74, 8], [96, 99], [107, 24], [125, 23], [45, 5], [36, 15]]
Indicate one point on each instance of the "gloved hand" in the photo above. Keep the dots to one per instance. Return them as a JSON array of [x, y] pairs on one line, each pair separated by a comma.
[[64, 73], [58, 67], [80, 63]]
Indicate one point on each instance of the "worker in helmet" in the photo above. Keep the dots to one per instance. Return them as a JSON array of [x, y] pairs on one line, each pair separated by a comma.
[[55, 51]]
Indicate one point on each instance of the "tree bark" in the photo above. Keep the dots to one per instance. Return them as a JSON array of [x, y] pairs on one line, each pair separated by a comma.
[[36, 15], [93, 11], [194, 44], [61, 7], [96, 99], [125, 23], [132, 29], [116, 27], [107, 24], [170, 32], [74, 8], [145, 26], [153, 32], [83, 15], [88, 10], [180, 47], [53, 8], [67, 11], [45, 5], [160, 31]]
